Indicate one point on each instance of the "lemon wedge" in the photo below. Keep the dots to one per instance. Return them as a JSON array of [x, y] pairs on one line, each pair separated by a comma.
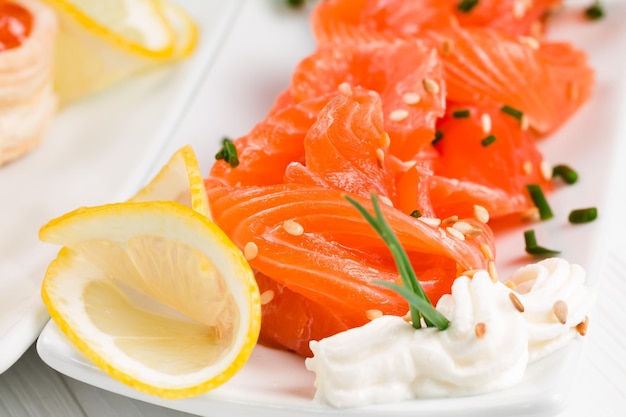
[[180, 180], [153, 293], [101, 42]]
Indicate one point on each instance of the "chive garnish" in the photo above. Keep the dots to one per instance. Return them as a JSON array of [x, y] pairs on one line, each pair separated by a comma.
[[466, 6], [536, 194], [438, 137], [566, 173], [595, 11], [295, 3], [416, 214], [228, 153], [512, 111], [419, 304], [461, 114], [583, 215], [531, 245], [488, 140]]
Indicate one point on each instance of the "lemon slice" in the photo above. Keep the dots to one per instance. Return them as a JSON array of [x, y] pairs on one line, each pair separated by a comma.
[[101, 42], [180, 180], [153, 293]]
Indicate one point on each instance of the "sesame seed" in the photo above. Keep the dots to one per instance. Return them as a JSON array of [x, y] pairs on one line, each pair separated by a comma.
[[493, 273], [431, 221], [480, 329], [546, 170], [407, 317], [409, 164], [510, 284], [463, 227], [560, 311], [470, 272], [411, 98], [473, 232], [430, 86], [481, 213], [583, 326], [455, 233], [485, 122], [398, 115], [250, 251], [380, 157], [516, 302], [345, 89], [524, 122], [293, 228], [450, 220], [487, 252], [527, 167], [267, 296], [519, 9], [572, 91], [385, 200], [531, 42], [531, 215], [385, 140], [373, 314], [447, 46]]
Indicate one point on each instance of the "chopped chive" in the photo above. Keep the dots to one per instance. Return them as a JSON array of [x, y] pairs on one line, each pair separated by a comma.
[[595, 11], [488, 140], [416, 214], [228, 153], [466, 6], [295, 3], [419, 304], [512, 111], [438, 137], [461, 114], [536, 194], [531, 245], [583, 215], [566, 173]]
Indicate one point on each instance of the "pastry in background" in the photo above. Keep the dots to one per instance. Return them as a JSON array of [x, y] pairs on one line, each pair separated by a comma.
[[28, 31]]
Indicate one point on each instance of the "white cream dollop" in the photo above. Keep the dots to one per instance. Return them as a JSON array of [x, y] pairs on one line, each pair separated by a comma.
[[486, 348]]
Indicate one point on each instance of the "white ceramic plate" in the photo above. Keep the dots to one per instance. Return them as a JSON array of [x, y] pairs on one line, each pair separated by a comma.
[[254, 65], [97, 150]]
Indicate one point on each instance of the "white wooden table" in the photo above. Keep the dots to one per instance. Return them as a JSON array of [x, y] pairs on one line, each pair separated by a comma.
[[30, 388]]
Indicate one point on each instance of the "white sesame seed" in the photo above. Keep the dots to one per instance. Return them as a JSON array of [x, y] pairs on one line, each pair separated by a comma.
[[385, 140], [293, 228], [524, 122], [546, 170], [409, 164], [519, 9], [455, 233], [345, 89], [560, 311], [411, 98], [463, 227], [485, 122], [516, 302], [582, 327], [398, 115], [431, 221], [470, 273], [373, 314], [430, 86], [527, 167], [450, 220], [385, 200], [531, 42], [493, 272], [481, 213], [480, 329], [531, 215], [486, 250], [267, 296], [380, 157], [250, 251]]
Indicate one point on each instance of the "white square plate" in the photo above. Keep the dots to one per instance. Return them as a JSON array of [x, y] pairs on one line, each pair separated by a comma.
[[97, 150], [255, 64]]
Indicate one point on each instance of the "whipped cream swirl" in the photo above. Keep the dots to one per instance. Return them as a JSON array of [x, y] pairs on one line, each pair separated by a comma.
[[487, 347]]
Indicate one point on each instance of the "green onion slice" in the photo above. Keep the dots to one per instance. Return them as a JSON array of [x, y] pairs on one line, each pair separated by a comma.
[[438, 137], [488, 140], [539, 199], [228, 153], [533, 248], [583, 215], [512, 111], [461, 114], [419, 304], [416, 214], [566, 173], [595, 11], [466, 6]]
